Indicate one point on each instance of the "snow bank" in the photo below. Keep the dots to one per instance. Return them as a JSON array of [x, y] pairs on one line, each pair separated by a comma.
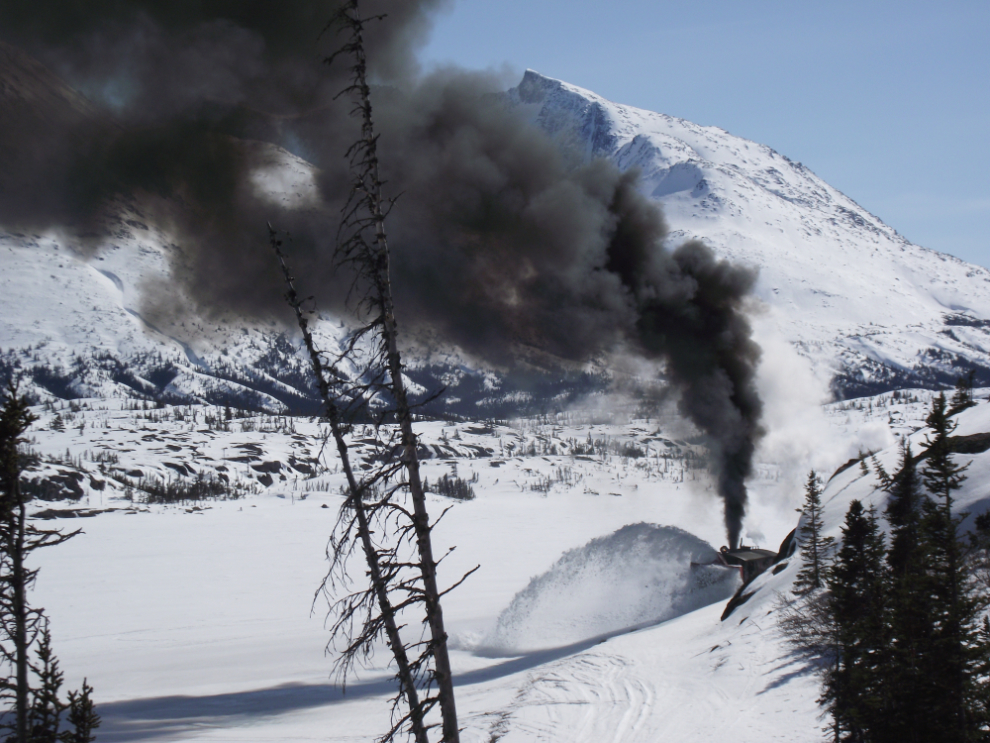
[[639, 575]]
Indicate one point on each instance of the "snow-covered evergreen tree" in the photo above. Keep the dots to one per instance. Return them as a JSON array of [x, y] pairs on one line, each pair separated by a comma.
[[815, 548]]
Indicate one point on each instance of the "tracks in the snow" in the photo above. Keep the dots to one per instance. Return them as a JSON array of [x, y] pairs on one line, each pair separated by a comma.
[[589, 698]]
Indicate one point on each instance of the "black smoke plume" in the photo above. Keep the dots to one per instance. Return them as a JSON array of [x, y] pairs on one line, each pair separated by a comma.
[[502, 240]]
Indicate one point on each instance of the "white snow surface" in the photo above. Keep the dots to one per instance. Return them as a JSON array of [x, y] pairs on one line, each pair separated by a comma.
[[196, 622]]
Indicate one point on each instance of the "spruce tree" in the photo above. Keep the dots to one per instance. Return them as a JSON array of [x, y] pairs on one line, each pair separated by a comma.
[[908, 657], [854, 688], [910, 612], [33, 685], [815, 548], [82, 716], [963, 397], [956, 651], [903, 513], [46, 709], [982, 706], [978, 551], [16, 618]]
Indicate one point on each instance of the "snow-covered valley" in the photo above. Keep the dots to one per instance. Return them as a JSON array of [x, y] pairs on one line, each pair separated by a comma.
[[197, 620]]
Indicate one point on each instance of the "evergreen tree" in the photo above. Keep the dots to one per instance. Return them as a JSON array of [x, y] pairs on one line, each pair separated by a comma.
[[908, 657], [983, 671], [82, 716], [955, 646], [903, 513], [32, 688], [978, 551], [815, 548], [16, 619], [885, 479], [910, 612], [963, 397], [854, 688], [46, 708]]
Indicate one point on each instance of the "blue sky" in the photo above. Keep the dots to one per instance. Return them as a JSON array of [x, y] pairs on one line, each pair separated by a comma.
[[887, 101]]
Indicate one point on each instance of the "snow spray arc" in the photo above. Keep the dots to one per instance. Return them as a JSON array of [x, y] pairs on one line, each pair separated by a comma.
[[503, 237], [638, 575]]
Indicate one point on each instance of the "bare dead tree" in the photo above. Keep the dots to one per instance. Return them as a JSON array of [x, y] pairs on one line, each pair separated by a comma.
[[33, 682], [384, 515], [362, 245], [360, 617]]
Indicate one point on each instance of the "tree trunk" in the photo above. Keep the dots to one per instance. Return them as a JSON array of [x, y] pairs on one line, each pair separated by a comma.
[[407, 681], [410, 458], [20, 610], [403, 670]]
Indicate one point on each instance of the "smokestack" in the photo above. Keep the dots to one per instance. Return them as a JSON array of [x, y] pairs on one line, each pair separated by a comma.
[[499, 240]]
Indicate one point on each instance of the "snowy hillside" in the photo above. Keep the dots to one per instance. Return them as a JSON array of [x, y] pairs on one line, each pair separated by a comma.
[[195, 620], [867, 308], [78, 325], [843, 287]]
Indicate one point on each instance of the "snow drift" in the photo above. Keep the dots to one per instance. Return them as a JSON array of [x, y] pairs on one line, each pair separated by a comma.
[[640, 574]]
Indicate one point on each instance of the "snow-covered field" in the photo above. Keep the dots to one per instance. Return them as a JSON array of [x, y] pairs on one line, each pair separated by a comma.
[[198, 622]]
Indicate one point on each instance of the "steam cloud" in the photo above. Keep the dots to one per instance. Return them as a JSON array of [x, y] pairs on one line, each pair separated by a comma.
[[501, 239]]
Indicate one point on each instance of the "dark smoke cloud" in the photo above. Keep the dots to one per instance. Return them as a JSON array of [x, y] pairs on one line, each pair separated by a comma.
[[501, 239], [690, 314], [147, 58], [495, 222]]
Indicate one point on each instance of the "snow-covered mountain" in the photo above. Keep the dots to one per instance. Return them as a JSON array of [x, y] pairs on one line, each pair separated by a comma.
[[869, 310], [846, 289]]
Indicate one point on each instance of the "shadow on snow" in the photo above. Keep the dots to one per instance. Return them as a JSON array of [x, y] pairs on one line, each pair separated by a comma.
[[158, 717]]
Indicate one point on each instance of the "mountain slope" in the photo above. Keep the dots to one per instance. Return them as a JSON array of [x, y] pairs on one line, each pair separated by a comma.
[[870, 310], [845, 288]]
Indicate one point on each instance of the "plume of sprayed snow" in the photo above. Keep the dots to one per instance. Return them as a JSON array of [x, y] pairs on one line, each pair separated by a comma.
[[639, 575], [800, 436]]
